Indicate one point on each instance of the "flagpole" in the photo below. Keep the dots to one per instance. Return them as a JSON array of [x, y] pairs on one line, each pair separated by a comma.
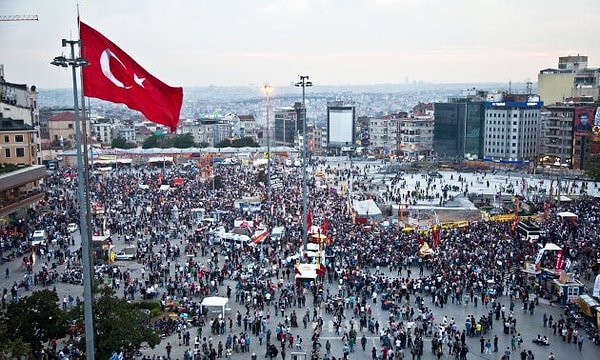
[[74, 63]]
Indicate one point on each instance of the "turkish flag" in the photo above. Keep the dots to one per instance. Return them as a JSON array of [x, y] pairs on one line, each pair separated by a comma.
[[322, 270], [325, 224], [114, 76]]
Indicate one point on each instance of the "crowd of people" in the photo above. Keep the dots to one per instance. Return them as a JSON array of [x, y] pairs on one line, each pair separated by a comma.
[[182, 262]]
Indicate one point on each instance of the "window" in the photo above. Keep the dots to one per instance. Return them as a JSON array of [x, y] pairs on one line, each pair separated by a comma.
[[70, 126], [20, 152], [18, 138], [7, 153], [6, 138]]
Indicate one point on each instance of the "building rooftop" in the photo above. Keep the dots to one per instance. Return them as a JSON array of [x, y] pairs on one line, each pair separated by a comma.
[[64, 116], [9, 124]]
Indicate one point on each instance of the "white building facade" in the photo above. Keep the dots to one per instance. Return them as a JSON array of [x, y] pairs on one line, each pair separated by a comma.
[[512, 128]]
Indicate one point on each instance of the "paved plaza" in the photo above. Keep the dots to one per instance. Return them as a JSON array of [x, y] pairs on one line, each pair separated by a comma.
[[528, 325]]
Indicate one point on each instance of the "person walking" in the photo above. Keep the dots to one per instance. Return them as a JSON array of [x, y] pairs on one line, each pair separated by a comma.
[[507, 354]]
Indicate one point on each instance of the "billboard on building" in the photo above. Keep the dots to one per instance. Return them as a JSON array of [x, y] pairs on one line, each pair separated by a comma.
[[341, 126], [596, 127], [583, 121]]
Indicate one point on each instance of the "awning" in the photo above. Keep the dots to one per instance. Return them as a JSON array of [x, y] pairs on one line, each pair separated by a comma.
[[552, 247], [216, 301], [157, 159], [306, 271]]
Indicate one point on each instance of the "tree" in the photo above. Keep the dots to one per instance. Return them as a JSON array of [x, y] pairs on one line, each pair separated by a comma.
[[121, 143], [238, 143], [35, 319], [245, 142], [150, 142], [118, 325], [184, 141], [592, 168], [12, 349], [224, 143]]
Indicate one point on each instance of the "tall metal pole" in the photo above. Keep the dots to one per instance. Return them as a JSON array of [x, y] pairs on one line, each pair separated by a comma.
[[304, 83], [267, 88], [83, 219]]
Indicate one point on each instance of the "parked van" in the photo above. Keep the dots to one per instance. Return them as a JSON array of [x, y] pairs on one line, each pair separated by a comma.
[[39, 238], [236, 241]]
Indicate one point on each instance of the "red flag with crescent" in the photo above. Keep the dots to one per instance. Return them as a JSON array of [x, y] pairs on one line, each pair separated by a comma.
[[114, 76]]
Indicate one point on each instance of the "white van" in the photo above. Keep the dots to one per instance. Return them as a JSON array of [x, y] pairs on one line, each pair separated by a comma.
[[236, 241], [39, 238]]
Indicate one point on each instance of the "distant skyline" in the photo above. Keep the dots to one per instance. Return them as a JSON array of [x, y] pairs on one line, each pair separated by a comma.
[[335, 42]]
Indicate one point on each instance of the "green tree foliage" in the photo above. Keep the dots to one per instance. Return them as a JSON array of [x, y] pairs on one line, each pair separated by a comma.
[[151, 142], [13, 348], [238, 143], [223, 144], [182, 141], [121, 143], [35, 319], [118, 325], [592, 168]]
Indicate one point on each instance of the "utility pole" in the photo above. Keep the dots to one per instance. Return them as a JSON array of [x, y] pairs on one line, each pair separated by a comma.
[[84, 212], [267, 88], [304, 83]]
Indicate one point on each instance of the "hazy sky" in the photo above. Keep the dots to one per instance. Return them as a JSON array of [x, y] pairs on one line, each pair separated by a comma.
[[336, 42]]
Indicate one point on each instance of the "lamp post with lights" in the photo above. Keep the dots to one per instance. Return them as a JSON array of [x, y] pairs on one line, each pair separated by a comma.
[[304, 83], [267, 89], [74, 63]]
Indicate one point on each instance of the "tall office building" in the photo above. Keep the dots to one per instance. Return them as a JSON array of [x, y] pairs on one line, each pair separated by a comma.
[[286, 126], [572, 79], [341, 121], [459, 126], [556, 140], [512, 126]]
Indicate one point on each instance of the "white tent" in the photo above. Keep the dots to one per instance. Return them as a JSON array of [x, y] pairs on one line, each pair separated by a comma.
[[306, 271], [551, 247], [367, 208], [566, 215], [260, 162], [216, 301]]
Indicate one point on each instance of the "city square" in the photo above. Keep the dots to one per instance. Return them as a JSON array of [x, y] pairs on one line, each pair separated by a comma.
[[441, 318]]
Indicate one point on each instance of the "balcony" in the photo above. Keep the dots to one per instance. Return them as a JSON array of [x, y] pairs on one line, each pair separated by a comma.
[[22, 176], [24, 199]]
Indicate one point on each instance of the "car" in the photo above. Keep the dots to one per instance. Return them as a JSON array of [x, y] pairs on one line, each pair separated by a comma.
[[297, 163], [72, 227], [124, 256], [289, 162], [230, 161], [435, 174]]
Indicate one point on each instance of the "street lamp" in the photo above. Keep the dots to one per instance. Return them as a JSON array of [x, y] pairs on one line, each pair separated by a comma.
[[267, 89], [74, 63], [304, 83]]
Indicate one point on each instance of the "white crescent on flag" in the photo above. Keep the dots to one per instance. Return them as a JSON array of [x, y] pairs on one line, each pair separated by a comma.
[[105, 66]]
